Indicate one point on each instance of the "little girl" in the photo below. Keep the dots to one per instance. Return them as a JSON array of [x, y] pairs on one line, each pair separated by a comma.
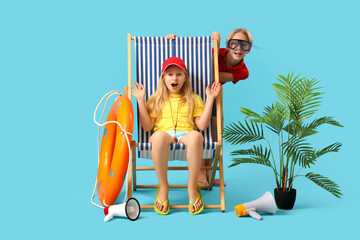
[[172, 112]]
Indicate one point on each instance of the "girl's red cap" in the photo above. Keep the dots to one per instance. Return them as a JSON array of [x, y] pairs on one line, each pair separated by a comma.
[[173, 61]]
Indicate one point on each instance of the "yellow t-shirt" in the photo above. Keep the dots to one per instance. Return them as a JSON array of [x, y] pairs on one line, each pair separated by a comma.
[[167, 121]]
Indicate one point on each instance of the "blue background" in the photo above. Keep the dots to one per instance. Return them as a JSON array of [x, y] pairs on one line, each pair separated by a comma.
[[58, 58]]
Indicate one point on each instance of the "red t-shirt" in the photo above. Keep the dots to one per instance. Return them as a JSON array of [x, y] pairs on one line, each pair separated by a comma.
[[239, 72]]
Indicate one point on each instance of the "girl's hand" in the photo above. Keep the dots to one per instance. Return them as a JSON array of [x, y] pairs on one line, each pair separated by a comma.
[[214, 91], [216, 35], [170, 36], [138, 91]]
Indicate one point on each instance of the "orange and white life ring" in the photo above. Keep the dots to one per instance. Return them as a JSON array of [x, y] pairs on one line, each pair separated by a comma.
[[114, 152]]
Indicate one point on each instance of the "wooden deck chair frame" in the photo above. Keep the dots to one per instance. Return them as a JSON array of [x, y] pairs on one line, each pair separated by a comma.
[[218, 159]]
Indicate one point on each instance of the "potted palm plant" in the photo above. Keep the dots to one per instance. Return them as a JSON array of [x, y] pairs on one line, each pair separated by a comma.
[[289, 118]]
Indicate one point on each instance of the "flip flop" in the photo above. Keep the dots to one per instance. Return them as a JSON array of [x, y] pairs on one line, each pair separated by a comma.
[[162, 203], [217, 184], [199, 197]]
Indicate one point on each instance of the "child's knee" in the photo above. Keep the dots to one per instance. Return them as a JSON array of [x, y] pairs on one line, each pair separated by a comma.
[[196, 138], [160, 138]]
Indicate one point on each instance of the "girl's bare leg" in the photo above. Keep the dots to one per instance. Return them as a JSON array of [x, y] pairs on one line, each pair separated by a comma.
[[160, 153], [194, 153]]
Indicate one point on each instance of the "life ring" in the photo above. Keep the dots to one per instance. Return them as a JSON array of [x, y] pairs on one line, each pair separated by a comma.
[[114, 152]]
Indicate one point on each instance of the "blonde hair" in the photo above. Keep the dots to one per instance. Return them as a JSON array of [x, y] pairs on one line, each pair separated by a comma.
[[162, 94], [240, 30]]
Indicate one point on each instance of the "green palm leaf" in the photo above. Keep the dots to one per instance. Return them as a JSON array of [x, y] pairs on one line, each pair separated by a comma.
[[324, 120], [283, 111], [286, 93], [257, 151], [294, 128], [335, 147], [300, 151], [237, 133], [309, 129], [306, 99], [256, 160], [309, 98], [249, 113], [275, 121], [298, 97], [325, 183]]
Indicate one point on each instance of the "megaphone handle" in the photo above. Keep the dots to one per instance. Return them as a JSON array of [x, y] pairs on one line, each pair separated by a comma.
[[108, 217], [255, 215]]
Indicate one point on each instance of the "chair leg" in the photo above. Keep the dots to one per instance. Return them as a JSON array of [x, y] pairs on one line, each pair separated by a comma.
[[129, 177], [212, 174], [133, 160], [222, 190], [214, 166]]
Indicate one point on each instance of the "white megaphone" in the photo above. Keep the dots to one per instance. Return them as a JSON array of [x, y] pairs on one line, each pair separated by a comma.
[[266, 203], [130, 209]]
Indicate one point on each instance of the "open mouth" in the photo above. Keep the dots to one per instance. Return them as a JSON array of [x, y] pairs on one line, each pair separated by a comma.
[[174, 85]]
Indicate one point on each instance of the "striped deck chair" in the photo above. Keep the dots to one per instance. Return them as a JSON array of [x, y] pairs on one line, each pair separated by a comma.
[[150, 52]]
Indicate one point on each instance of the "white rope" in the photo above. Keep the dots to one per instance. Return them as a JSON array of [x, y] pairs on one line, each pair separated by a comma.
[[109, 94]]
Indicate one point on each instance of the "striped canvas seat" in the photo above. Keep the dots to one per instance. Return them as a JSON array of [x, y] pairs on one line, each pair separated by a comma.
[[150, 53]]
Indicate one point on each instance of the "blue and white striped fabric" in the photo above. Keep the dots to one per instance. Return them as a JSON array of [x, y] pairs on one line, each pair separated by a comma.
[[196, 52]]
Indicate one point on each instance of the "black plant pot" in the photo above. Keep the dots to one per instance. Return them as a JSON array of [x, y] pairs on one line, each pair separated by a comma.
[[285, 200]]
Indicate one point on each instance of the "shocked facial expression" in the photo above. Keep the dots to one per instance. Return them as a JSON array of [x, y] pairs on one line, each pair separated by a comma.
[[174, 78], [237, 54]]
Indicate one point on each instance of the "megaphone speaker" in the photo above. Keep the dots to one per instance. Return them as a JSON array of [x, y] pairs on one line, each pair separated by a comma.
[[266, 203], [129, 209]]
